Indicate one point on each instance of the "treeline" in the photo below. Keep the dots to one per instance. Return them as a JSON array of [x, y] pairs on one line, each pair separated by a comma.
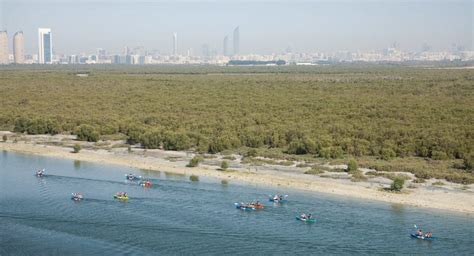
[[331, 113]]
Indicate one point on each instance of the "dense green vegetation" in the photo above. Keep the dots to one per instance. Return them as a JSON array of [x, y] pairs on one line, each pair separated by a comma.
[[384, 112]]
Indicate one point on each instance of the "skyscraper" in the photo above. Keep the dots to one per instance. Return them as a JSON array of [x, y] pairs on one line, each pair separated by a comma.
[[19, 47], [226, 46], [45, 46], [175, 44], [4, 47], [236, 41]]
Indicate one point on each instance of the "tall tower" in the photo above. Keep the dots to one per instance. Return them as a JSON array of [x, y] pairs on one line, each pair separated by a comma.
[[4, 47], [236, 41], [45, 46], [175, 44], [226, 46], [19, 47]]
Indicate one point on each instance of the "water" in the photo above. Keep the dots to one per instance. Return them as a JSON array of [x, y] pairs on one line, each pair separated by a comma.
[[37, 217]]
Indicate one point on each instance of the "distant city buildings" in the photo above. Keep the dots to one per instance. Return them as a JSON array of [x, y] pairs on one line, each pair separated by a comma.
[[236, 40], [19, 48], [209, 55], [175, 44], [226, 46], [45, 46], [4, 53]]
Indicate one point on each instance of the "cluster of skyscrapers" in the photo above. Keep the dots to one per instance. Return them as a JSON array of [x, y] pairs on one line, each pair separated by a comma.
[[18, 48], [236, 43], [45, 47]]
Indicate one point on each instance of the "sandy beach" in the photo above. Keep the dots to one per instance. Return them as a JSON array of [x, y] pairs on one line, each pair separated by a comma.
[[450, 198]]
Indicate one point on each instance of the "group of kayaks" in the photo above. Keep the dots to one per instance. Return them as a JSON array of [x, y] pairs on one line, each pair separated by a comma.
[[257, 205], [254, 205], [76, 196]]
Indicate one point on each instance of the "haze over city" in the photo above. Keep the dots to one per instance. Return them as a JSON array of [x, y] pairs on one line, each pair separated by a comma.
[[265, 26]]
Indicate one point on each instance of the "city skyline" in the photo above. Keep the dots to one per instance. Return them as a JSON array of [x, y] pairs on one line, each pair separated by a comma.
[[304, 26]]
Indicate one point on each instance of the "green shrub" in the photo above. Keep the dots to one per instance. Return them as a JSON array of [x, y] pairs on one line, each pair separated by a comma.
[[194, 161], [87, 133], [357, 176], [439, 155], [419, 180], [76, 148], [352, 166], [251, 153], [150, 139], [194, 178], [224, 165], [437, 183], [4, 138], [314, 170], [224, 182], [469, 161], [397, 184], [387, 153]]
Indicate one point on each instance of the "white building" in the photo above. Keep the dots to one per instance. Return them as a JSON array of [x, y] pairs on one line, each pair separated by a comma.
[[45, 46]]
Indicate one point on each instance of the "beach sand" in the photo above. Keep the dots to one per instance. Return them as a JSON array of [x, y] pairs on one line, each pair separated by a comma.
[[444, 199]]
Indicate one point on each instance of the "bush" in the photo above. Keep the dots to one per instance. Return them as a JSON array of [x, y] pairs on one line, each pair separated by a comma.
[[352, 166], [224, 165], [151, 139], [87, 133], [419, 180], [439, 155], [4, 138], [387, 154], [314, 171], [76, 148], [397, 184], [251, 153], [224, 182], [469, 161], [358, 176], [194, 161]]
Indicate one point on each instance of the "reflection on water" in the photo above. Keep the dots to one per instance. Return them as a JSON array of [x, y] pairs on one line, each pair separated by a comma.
[[77, 164]]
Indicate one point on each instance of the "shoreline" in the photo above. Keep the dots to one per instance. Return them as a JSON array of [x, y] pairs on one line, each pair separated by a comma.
[[454, 201]]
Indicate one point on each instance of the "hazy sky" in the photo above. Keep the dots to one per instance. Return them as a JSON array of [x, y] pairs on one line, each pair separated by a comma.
[[265, 26]]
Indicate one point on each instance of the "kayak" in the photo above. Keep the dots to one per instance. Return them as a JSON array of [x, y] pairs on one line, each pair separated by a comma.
[[244, 207], [423, 237], [146, 184], [121, 197], [306, 220], [271, 198], [76, 197], [258, 206], [132, 177]]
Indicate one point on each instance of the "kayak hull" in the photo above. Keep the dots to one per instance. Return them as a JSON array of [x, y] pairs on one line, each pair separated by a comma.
[[244, 208], [422, 237], [306, 220], [121, 197]]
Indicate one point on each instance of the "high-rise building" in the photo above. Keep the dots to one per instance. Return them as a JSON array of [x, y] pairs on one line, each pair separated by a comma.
[[45, 46], [175, 44], [4, 48], [226, 46], [19, 48], [236, 41]]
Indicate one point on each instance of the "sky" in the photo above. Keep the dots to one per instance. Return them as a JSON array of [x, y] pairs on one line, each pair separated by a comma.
[[82, 26]]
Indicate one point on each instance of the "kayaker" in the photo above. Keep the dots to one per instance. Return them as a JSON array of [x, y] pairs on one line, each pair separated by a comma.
[[309, 216], [428, 235], [303, 216], [419, 232], [276, 198]]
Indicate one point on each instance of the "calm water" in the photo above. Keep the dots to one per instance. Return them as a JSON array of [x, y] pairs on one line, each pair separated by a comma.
[[37, 217]]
